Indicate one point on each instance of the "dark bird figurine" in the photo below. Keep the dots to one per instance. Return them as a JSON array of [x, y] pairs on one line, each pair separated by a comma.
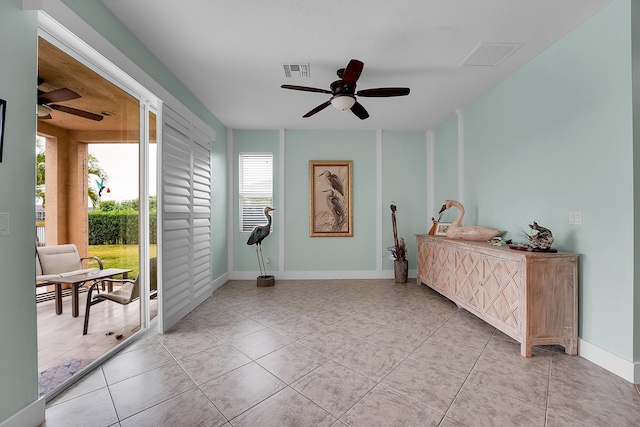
[[258, 234], [334, 181]]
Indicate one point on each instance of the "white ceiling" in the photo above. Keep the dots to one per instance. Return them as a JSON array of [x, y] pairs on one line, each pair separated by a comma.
[[230, 53]]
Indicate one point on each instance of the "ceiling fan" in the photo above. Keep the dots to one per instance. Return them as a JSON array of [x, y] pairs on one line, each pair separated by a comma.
[[343, 91], [45, 105]]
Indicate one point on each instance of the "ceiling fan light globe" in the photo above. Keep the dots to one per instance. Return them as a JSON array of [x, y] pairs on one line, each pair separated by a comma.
[[42, 110], [343, 102]]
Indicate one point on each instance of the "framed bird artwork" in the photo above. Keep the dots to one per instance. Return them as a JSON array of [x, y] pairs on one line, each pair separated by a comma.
[[330, 198]]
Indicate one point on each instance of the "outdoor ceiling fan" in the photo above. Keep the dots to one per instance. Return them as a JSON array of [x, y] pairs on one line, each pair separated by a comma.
[[343, 91], [46, 102]]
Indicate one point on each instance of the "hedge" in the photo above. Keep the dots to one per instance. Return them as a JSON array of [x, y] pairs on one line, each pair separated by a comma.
[[118, 227]]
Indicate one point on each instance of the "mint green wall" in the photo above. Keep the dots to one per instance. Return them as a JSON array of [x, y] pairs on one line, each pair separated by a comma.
[[404, 181], [244, 256], [445, 168], [304, 253], [635, 49], [18, 338], [557, 136]]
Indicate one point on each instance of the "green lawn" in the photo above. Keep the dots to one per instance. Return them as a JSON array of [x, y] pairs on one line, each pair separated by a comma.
[[120, 256]]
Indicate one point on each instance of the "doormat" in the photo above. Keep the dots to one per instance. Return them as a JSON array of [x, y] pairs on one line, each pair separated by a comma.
[[51, 378]]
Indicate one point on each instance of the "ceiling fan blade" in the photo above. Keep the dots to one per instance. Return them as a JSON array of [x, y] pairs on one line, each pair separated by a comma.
[[352, 72], [384, 92], [359, 111], [305, 89], [47, 117], [317, 109], [58, 95], [76, 112]]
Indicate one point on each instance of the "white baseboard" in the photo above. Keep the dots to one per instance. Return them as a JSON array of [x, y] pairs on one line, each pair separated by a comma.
[[220, 281], [623, 368], [30, 416], [320, 275]]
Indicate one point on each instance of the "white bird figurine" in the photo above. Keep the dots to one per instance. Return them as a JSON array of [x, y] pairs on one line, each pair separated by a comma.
[[471, 232]]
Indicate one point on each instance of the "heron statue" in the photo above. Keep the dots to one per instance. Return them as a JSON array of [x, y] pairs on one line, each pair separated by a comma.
[[334, 181], [258, 234]]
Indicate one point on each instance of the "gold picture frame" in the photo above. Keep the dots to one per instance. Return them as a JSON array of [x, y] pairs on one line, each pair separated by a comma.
[[331, 198], [441, 228]]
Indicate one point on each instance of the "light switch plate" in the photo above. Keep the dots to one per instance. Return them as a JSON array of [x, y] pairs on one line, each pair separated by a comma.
[[575, 218]]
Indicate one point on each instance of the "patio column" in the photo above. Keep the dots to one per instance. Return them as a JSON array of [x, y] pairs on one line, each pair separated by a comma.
[[66, 211]]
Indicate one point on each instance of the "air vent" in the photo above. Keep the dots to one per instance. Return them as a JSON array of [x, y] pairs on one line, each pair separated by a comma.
[[297, 69], [489, 54]]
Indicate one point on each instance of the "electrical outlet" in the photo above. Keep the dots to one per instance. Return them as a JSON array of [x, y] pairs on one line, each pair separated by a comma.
[[267, 261], [575, 218]]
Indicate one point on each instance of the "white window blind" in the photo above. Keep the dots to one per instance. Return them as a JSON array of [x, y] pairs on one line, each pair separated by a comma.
[[255, 189]]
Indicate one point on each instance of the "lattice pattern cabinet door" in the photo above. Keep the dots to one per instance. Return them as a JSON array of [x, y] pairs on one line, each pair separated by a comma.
[[530, 296], [502, 284]]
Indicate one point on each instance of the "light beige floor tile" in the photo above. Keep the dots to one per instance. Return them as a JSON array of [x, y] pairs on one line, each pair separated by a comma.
[[512, 380], [383, 407], [239, 390], [334, 387], [358, 327], [450, 422], [237, 329], [188, 343], [481, 407], [185, 410], [260, 343], [212, 363], [464, 320], [555, 420], [292, 362], [402, 341], [329, 341], [590, 406], [508, 351], [326, 315], [452, 359], [298, 327], [453, 348], [91, 382], [89, 410], [287, 408], [370, 360], [143, 391], [271, 316], [459, 336], [419, 381], [579, 370], [125, 365]]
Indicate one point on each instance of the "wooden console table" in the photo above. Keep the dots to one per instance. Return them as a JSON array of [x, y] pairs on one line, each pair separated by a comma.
[[530, 296]]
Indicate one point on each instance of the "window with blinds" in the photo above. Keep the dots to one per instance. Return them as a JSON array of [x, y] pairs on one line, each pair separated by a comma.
[[255, 189]]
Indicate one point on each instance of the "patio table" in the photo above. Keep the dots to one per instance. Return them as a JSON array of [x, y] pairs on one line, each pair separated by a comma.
[[79, 280]]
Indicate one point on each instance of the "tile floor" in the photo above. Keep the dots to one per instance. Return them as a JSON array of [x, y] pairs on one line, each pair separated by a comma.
[[341, 353]]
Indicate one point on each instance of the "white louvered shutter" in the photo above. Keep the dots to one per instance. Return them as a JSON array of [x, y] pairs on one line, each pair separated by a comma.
[[186, 220]]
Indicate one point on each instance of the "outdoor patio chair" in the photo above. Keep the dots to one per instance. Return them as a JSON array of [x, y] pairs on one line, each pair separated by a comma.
[[60, 260], [127, 293]]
